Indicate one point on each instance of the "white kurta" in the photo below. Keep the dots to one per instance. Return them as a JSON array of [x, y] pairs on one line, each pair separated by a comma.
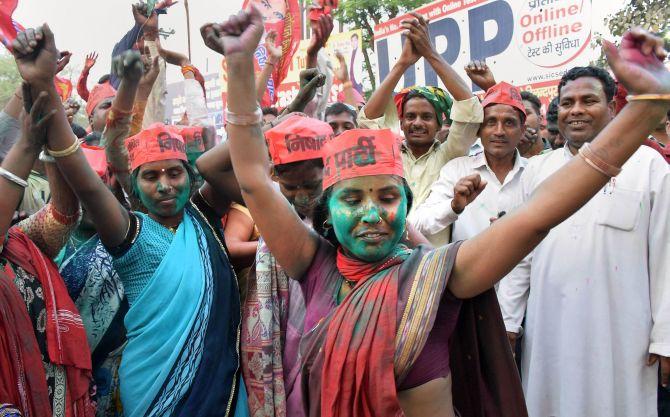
[[598, 296], [436, 214]]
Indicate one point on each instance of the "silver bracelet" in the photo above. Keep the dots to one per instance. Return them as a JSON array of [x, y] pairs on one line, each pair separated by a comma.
[[45, 157], [13, 178], [249, 119]]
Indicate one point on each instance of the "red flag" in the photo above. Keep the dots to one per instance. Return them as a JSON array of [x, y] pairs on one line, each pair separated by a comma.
[[63, 87], [321, 7], [282, 16], [8, 27]]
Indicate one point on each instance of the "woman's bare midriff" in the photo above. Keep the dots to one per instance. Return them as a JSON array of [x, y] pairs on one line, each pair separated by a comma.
[[430, 399]]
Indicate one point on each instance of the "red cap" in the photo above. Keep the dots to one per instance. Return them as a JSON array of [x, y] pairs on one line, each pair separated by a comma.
[[156, 143], [97, 94], [504, 93], [297, 138], [97, 159], [361, 152], [192, 136]]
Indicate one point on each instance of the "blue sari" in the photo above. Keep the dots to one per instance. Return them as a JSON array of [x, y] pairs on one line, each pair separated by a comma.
[[182, 356], [98, 293]]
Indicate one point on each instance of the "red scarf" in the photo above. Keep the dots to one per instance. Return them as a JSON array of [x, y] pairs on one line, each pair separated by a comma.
[[66, 338], [355, 270], [358, 376]]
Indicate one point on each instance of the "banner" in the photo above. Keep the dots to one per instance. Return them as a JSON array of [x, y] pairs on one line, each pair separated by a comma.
[[528, 43], [282, 16], [348, 43]]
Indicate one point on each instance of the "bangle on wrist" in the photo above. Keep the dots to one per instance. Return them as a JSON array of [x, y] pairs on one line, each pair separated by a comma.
[[45, 157], [648, 97], [13, 178], [248, 119], [70, 150], [595, 162]]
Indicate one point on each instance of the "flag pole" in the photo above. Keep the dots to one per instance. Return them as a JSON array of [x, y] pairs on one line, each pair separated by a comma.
[[188, 28]]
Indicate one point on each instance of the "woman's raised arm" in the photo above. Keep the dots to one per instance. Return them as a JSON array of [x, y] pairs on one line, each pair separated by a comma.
[[36, 56], [291, 242]]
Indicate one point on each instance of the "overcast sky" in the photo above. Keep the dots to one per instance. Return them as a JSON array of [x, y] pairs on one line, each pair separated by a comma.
[[81, 26]]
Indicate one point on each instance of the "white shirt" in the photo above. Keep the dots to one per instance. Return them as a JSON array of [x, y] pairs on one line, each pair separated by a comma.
[[436, 214], [596, 293]]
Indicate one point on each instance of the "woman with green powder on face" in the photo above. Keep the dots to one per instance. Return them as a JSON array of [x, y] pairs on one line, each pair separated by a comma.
[[374, 308], [182, 324]]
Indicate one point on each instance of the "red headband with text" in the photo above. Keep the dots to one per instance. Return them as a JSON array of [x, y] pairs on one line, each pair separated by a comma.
[[156, 143], [297, 138], [359, 153]]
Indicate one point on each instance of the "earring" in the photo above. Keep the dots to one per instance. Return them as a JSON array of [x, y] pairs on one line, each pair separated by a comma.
[[326, 226]]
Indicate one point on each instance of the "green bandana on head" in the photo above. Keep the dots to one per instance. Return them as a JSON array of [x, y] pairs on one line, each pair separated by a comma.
[[437, 97]]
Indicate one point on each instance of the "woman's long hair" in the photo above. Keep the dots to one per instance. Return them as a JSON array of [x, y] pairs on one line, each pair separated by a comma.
[[321, 213]]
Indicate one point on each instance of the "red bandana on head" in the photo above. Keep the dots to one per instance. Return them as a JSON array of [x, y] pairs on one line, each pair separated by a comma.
[[99, 93], [156, 143], [504, 93], [298, 138], [361, 152], [192, 136]]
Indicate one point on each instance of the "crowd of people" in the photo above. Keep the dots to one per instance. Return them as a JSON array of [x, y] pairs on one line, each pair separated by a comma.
[[425, 252]]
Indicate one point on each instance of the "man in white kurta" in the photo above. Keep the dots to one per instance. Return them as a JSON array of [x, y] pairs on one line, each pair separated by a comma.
[[499, 164], [597, 289]]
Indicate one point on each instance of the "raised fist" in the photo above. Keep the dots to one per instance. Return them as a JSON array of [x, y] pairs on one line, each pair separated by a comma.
[[36, 54], [240, 34], [128, 66], [638, 62], [480, 74], [466, 191]]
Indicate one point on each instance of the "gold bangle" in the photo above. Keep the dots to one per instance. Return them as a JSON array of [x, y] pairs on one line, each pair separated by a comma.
[[70, 150], [597, 163], [651, 97]]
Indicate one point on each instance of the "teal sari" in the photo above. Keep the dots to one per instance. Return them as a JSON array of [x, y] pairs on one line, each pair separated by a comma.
[[183, 328]]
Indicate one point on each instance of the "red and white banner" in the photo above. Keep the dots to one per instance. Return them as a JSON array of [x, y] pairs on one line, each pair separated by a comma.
[[282, 16]]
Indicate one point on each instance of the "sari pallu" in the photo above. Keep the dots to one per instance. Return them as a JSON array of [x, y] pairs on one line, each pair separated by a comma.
[[272, 324], [351, 355], [183, 331]]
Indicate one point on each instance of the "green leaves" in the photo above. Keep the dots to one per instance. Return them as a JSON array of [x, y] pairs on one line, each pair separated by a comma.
[[653, 15]]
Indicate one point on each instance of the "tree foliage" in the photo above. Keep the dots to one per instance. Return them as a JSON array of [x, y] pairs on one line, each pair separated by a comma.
[[365, 14], [653, 15], [9, 78]]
